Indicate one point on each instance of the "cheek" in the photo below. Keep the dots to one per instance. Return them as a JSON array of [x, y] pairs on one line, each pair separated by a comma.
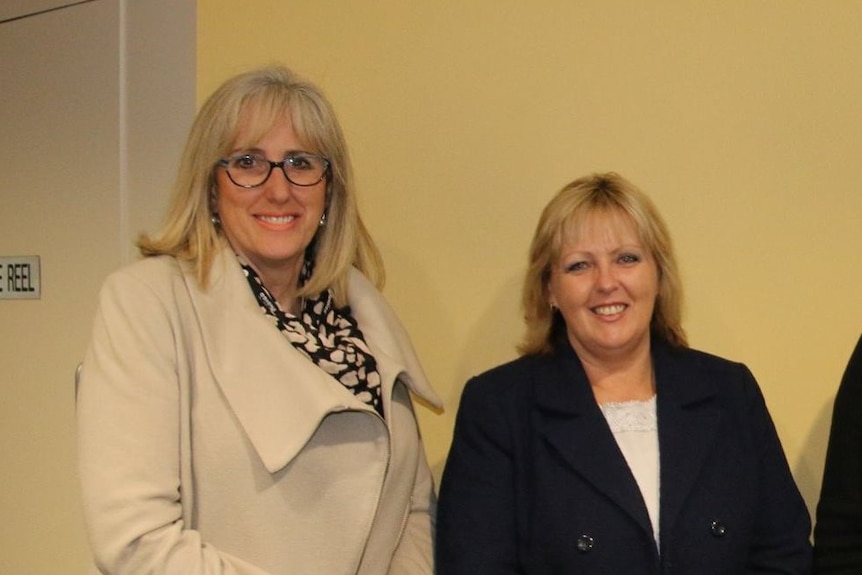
[[568, 293], [318, 202], [228, 201], [219, 193]]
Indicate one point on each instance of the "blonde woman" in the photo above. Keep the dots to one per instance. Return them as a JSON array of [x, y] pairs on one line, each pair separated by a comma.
[[245, 403], [610, 446]]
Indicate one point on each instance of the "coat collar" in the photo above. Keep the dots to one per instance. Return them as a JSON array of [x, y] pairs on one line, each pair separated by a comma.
[[278, 395], [688, 418]]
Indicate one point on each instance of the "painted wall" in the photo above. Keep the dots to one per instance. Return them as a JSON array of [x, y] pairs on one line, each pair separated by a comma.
[[743, 120]]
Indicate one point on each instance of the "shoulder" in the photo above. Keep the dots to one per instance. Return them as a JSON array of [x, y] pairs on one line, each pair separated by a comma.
[[511, 382], [698, 363], [384, 332], [145, 286], [369, 307], [153, 271], [689, 376], [697, 359]]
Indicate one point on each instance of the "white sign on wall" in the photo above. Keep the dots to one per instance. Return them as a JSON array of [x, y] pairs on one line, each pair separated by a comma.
[[20, 278]]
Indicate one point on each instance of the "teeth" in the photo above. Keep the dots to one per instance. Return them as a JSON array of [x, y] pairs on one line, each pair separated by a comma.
[[610, 309], [277, 219]]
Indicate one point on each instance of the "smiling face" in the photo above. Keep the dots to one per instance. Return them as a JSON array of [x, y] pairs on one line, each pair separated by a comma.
[[605, 284], [271, 225]]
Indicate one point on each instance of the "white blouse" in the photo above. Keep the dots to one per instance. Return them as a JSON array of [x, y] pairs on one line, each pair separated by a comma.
[[635, 427]]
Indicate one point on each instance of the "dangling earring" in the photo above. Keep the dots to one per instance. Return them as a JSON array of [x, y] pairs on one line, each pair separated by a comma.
[[322, 220]]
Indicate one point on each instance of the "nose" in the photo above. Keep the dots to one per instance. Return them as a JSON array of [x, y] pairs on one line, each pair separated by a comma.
[[606, 279], [278, 188]]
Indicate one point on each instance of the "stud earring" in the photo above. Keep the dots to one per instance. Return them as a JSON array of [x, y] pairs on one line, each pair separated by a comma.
[[322, 220], [216, 220]]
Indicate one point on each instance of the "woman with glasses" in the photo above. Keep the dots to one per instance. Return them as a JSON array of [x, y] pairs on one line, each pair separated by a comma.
[[245, 402], [610, 446]]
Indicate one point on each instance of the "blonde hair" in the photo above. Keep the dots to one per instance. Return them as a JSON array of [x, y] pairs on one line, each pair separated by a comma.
[[255, 100], [560, 219]]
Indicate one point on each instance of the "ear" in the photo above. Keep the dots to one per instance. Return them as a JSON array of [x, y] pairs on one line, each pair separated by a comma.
[[551, 298], [213, 198]]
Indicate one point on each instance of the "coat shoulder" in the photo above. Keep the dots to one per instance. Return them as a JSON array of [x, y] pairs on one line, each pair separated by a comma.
[[690, 375], [508, 382], [153, 271], [702, 359], [701, 362]]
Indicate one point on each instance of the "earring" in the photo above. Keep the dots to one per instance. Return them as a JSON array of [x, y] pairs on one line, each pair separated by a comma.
[[216, 220], [322, 220]]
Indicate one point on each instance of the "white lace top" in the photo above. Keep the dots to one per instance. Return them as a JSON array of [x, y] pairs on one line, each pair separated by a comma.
[[635, 427]]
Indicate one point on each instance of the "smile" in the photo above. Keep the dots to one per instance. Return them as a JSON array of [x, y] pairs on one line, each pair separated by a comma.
[[609, 309], [276, 219]]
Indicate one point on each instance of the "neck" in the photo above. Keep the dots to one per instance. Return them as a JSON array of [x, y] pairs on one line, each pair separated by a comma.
[[282, 284], [626, 379], [286, 298]]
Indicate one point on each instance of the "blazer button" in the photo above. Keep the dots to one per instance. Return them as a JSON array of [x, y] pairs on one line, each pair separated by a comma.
[[584, 544], [718, 529]]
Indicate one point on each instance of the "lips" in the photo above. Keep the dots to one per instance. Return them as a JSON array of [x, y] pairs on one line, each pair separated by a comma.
[[612, 309]]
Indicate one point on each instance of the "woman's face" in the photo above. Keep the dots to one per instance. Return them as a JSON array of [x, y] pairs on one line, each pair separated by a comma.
[[272, 224], [605, 284]]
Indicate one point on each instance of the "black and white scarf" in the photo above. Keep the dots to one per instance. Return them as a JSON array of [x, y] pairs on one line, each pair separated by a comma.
[[328, 336]]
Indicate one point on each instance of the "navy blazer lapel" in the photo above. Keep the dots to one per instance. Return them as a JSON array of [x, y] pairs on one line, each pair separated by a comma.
[[572, 423], [688, 420]]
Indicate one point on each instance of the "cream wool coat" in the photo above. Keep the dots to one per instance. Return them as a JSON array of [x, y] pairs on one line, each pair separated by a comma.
[[208, 444]]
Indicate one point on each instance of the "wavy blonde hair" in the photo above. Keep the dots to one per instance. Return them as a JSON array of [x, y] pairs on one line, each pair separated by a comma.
[[561, 219], [255, 100]]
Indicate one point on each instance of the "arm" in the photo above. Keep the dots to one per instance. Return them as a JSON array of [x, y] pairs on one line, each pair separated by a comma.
[[414, 554], [130, 413], [838, 532], [476, 527], [780, 542]]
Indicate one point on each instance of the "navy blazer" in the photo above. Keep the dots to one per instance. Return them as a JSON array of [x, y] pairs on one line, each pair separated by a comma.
[[535, 482], [838, 531]]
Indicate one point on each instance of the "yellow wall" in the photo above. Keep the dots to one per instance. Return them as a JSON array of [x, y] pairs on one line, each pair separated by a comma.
[[743, 120]]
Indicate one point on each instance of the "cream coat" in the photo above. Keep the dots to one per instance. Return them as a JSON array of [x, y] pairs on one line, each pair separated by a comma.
[[209, 445]]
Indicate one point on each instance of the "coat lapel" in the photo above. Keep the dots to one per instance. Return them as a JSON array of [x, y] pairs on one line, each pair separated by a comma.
[[387, 339], [257, 370], [277, 394], [688, 420], [572, 423]]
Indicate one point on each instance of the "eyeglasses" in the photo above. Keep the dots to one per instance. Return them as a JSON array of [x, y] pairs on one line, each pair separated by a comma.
[[252, 170]]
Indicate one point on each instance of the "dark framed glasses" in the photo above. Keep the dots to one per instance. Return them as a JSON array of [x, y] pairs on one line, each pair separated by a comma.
[[248, 170]]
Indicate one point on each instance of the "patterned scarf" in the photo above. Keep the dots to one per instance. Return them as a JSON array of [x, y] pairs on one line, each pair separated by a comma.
[[328, 336]]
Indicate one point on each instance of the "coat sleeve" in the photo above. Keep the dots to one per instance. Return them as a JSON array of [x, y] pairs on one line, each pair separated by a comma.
[[414, 554], [476, 526], [129, 439], [780, 541], [838, 530]]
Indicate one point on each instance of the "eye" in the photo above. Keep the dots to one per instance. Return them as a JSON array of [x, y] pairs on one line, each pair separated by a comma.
[[302, 162], [629, 258], [577, 266], [248, 162]]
